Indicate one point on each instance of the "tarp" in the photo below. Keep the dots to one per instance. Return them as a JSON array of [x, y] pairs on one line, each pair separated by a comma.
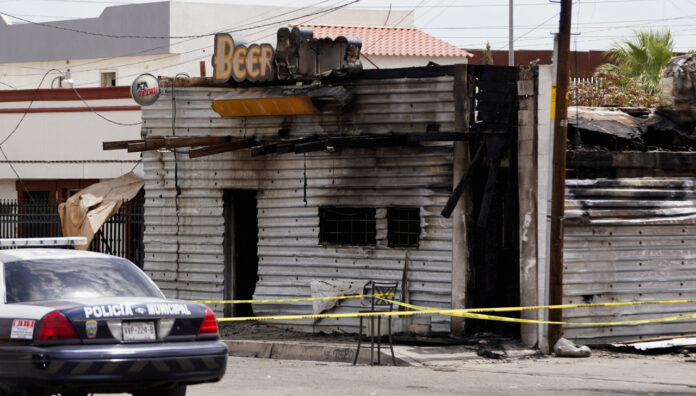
[[85, 212], [333, 288]]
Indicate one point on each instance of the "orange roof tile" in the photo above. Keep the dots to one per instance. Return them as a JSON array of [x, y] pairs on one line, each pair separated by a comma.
[[392, 41]]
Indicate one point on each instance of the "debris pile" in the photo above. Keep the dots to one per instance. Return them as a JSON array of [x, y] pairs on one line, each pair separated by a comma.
[[679, 91], [670, 127]]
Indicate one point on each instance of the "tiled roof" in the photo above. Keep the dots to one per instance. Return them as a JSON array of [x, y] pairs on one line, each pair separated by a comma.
[[392, 41]]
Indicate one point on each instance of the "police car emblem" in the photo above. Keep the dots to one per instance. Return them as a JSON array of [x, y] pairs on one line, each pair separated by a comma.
[[91, 328], [140, 310]]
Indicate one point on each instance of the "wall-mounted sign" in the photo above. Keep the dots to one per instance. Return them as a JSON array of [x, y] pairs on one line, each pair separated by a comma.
[[145, 89], [241, 62]]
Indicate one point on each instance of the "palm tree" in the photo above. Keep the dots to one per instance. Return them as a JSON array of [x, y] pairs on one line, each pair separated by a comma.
[[487, 57], [642, 59]]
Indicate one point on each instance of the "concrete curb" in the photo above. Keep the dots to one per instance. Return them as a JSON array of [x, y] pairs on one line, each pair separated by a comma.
[[298, 350]]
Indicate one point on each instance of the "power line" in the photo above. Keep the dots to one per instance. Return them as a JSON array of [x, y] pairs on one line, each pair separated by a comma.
[[602, 23], [534, 28], [328, 10], [334, 7], [2, 151], [90, 1], [185, 61], [395, 25], [483, 5], [101, 116], [117, 36], [590, 29], [31, 102]]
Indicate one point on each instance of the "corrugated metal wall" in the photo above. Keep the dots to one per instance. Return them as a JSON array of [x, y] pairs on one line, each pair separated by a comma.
[[184, 254], [629, 240]]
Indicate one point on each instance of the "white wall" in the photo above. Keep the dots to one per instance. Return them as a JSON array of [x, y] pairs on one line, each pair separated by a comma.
[[68, 145], [8, 189], [86, 72]]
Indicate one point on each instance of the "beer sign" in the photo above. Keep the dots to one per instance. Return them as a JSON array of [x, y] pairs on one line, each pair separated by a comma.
[[241, 62]]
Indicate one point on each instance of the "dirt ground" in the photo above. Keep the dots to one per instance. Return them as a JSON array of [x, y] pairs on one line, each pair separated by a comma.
[[265, 331]]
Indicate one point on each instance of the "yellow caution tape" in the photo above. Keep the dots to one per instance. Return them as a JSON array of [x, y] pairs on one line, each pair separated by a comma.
[[565, 306], [454, 312], [334, 315], [617, 323], [588, 305], [499, 309], [467, 313], [472, 313], [292, 299]]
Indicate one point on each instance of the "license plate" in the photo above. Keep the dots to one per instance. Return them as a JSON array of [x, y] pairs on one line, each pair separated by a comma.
[[139, 331]]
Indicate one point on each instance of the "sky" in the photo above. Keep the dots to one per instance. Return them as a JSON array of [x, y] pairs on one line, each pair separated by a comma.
[[597, 24]]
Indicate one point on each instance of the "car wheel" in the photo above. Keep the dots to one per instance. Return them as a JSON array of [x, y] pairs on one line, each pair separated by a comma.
[[176, 391]]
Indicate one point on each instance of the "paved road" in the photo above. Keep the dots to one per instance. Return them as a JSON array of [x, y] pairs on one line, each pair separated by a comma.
[[602, 375]]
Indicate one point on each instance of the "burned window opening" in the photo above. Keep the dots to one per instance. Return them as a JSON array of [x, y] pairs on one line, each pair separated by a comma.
[[403, 227], [347, 226]]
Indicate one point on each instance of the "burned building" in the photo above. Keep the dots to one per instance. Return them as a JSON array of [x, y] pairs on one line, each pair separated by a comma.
[[327, 173]]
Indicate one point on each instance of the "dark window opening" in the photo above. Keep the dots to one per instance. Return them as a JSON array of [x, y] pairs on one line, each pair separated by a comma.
[[347, 226], [403, 227]]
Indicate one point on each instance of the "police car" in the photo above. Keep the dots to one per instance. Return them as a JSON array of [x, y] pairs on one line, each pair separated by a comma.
[[75, 322]]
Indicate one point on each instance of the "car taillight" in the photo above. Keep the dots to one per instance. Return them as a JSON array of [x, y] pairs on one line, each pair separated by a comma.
[[55, 326], [209, 325]]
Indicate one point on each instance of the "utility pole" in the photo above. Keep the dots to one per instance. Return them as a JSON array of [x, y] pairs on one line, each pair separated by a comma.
[[559, 170], [511, 50]]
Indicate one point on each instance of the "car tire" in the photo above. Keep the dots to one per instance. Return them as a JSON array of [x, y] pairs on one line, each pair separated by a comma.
[[176, 391]]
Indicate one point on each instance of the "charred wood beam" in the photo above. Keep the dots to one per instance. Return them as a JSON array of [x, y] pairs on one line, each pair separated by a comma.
[[176, 142], [459, 190], [315, 143], [318, 145], [146, 145], [302, 145], [163, 142], [119, 144], [371, 141], [439, 136], [221, 148], [264, 149], [288, 146]]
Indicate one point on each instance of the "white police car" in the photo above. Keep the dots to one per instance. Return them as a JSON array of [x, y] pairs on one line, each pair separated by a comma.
[[75, 322]]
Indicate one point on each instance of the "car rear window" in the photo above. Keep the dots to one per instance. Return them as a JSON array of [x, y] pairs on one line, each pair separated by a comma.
[[55, 279]]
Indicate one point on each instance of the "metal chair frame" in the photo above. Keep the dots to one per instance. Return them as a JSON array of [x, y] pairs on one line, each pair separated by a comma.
[[378, 305]]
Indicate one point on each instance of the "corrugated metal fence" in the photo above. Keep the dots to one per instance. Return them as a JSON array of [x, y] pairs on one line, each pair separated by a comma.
[[629, 240]]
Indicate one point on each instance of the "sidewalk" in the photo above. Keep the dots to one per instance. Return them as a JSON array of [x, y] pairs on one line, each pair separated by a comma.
[[266, 341]]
